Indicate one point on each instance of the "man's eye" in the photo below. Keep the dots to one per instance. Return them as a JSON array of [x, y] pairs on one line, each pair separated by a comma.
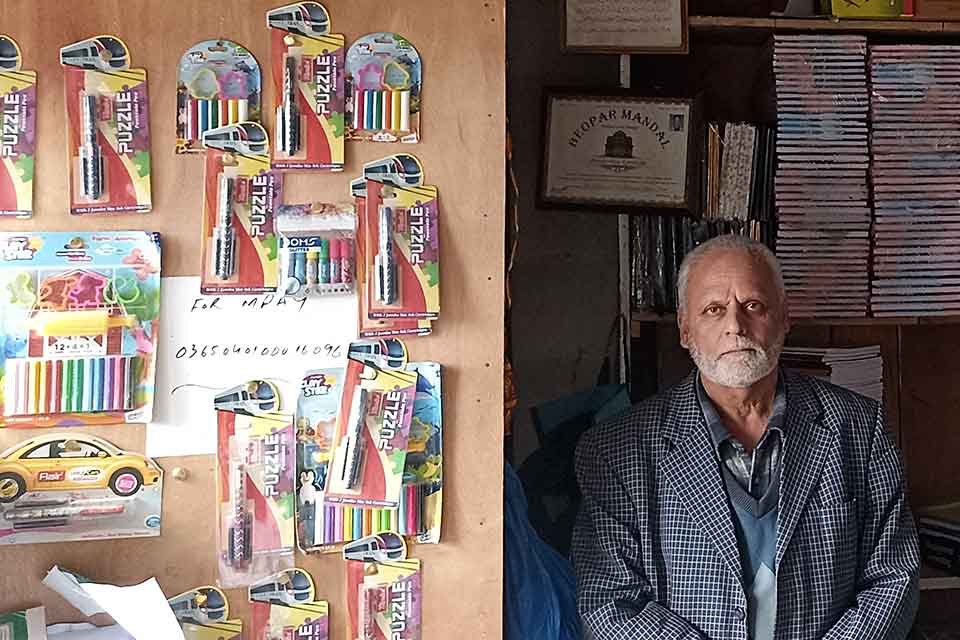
[[754, 306], [712, 311]]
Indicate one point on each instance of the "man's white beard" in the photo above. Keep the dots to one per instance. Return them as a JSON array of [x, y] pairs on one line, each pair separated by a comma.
[[739, 370]]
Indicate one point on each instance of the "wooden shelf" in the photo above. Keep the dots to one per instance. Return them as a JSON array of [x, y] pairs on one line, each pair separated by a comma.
[[905, 25], [640, 318]]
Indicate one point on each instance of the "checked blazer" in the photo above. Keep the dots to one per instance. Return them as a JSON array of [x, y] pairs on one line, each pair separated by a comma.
[[655, 551]]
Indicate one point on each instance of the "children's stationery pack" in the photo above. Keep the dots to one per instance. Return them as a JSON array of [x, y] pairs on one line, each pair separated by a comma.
[[78, 322]]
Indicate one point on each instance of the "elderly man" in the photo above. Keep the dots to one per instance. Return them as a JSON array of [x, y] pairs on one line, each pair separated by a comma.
[[747, 502]]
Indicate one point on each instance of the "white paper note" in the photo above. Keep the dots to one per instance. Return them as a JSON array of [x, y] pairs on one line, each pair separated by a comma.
[[86, 631], [210, 343], [142, 610]]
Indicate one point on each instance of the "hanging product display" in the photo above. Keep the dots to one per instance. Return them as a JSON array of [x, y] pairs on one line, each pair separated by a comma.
[[80, 314], [218, 84], [241, 194], [203, 614], [18, 100], [316, 249], [307, 64], [284, 605], [384, 84], [108, 128]]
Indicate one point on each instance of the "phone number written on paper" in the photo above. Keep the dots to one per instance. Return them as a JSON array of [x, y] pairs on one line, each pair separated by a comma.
[[207, 351]]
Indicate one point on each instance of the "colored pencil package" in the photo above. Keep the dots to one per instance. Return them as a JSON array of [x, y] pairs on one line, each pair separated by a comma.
[[18, 99], [400, 170], [204, 614], [108, 128], [384, 85], [316, 249], [284, 605], [79, 330], [256, 462], [307, 64], [218, 84], [384, 600], [370, 439], [60, 487], [241, 196]]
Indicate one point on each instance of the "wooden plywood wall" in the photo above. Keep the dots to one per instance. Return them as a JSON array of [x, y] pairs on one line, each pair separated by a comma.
[[463, 124]]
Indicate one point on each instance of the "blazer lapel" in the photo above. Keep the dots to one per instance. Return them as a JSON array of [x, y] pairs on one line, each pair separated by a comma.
[[690, 465], [805, 447]]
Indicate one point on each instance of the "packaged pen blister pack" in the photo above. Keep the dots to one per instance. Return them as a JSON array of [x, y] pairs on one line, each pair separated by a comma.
[[324, 525], [284, 605], [370, 439], [307, 64], [108, 128], [204, 614], [72, 486], [316, 249], [384, 600], [384, 85], [79, 327], [256, 462], [218, 84], [241, 195], [18, 99], [398, 253]]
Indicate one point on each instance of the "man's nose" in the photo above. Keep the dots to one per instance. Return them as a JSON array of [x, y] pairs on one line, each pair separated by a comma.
[[736, 321]]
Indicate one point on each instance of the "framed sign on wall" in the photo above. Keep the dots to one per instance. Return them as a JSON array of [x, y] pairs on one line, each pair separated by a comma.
[[618, 152], [625, 26]]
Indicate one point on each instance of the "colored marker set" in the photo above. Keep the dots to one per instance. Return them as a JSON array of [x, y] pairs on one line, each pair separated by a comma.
[[79, 343], [33, 387], [377, 109], [203, 114], [316, 249], [108, 128], [18, 101]]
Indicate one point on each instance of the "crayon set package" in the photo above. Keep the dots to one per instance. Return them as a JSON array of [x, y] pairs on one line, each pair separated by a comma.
[[308, 88], [108, 128], [18, 100]]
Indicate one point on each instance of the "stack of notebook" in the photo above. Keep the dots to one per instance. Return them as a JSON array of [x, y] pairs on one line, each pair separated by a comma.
[[738, 175], [857, 369], [822, 198], [939, 531], [915, 143]]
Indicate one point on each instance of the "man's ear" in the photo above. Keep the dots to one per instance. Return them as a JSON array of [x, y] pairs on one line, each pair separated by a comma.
[[684, 330]]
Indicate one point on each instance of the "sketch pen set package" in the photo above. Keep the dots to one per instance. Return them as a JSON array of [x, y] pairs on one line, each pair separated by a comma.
[[218, 84], [398, 248], [79, 327], [316, 249], [108, 128], [241, 195], [18, 101], [307, 65]]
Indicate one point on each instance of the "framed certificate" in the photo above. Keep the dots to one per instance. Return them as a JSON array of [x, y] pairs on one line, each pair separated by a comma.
[[625, 26], [618, 152]]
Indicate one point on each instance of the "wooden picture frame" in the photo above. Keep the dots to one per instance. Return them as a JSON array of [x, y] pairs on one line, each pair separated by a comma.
[[614, 152], [585, 30]]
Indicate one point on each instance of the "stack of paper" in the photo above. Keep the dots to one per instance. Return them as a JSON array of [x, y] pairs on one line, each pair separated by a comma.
[[915, 143], [939, 531], [822, 197], [857, 369]]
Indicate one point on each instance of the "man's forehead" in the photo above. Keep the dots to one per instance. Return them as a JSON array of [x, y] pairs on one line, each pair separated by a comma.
[[723, 269]]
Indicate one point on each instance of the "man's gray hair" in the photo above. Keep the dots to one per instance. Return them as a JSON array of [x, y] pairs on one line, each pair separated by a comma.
[[728, 242]]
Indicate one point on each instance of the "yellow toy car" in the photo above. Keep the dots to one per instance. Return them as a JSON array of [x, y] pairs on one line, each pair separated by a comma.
[[67, 462]]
